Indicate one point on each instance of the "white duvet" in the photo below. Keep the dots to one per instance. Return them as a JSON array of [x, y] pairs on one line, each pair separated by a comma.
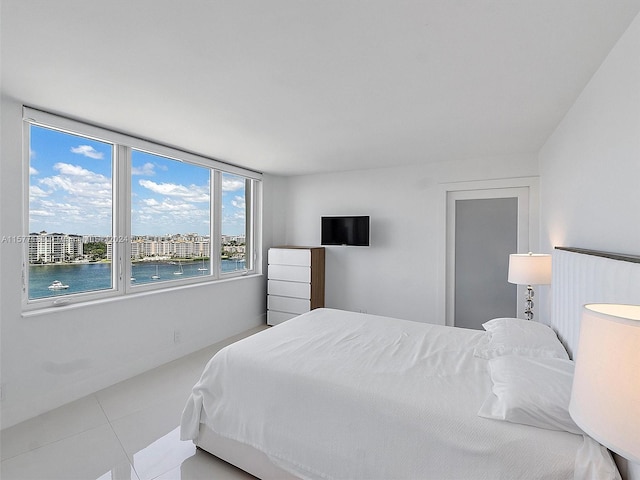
[[340, 395]]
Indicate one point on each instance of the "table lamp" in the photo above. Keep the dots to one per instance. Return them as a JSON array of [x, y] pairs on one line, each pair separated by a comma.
[[605, 398], [529, 269]]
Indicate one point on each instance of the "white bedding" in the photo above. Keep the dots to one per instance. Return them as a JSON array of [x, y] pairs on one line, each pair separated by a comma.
[[334, 394]]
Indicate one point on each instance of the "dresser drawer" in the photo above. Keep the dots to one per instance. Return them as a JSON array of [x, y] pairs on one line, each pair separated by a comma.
[[274, 318], [288, 304], [290, 273], [295, 282], [290, 256], [289, 289]]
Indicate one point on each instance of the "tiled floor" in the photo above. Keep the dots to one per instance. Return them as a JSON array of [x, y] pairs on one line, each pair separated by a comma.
[[127, 431]]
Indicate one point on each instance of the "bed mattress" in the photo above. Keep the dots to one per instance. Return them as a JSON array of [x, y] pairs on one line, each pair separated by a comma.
[[334, 394]]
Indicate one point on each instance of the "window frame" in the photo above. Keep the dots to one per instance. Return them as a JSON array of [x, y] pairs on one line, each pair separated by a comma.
[[121, 263]]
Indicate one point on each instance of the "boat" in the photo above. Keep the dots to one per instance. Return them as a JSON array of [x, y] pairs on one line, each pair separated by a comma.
[[203, 268], [156, 276], [57, 285], [179, 272]]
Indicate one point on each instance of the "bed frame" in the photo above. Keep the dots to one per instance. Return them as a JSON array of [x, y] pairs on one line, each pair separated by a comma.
[[583, 276], [579, 276], [241, 455]]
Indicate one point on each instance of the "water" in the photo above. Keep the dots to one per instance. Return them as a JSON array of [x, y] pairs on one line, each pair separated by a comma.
[[87, 277]]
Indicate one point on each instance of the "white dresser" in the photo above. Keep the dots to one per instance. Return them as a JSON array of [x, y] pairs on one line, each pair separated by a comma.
[[295, 282]]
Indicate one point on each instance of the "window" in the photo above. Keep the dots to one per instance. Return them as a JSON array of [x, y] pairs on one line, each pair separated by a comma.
[[170, 219], [70, 188], [110, 214], [234, 223]]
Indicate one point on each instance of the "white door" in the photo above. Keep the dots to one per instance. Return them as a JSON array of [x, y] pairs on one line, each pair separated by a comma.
[[483, 227]]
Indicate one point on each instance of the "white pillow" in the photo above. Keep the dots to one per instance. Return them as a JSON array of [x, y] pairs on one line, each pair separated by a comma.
[[520, 337], [532, 391]]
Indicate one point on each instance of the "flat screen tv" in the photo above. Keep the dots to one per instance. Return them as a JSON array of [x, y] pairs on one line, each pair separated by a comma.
[[345, 231]]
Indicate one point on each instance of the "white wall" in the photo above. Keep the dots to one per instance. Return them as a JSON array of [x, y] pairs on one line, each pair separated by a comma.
[[48, 360], [400, 274], [590, 166]]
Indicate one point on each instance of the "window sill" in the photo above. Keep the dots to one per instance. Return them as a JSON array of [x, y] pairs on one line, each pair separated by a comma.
[[118, 298]]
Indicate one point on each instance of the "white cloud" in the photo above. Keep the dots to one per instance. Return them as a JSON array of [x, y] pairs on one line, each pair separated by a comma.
[[72, 217], [74, 170], [239, 202], [79, 182], [148, 169], [36, 192], [74, 200], [87, 151], [231, 184], [174, 213], [41, 213], [171, 206], [150, 202], [234, 222], [235, 218], [192, 193], [33, 171]]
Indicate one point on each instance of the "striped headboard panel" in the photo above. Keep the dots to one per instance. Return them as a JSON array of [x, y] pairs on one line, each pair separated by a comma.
[[586, 276]]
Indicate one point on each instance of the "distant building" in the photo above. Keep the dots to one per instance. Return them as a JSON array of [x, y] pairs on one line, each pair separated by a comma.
[[54, 247], [182, 246], [237, 239], [61, 247]]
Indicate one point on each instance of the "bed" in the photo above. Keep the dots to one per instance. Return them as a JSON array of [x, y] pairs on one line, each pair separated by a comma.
[[333, 394]]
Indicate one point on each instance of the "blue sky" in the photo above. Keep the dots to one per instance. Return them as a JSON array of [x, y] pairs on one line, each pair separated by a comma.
[[70, 190]]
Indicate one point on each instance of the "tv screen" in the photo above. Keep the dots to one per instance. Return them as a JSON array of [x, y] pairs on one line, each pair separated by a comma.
[[345, 231]]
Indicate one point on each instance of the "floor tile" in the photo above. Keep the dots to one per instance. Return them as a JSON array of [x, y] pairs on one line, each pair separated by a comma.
[[93, 454], [129, 431], [203, 465], [63, 422], [139, 392], [151, 438], [164, 454], [200, 358]]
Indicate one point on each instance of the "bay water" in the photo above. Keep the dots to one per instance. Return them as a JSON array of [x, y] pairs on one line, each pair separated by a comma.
[[87, 277]]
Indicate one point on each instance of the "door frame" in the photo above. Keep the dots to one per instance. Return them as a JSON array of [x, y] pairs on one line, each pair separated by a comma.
[[523, 188]]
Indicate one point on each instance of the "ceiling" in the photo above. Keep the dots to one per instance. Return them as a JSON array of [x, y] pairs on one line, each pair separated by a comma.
[[295, 87]]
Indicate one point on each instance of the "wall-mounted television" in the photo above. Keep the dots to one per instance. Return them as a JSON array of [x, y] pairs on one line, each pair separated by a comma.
[[346, 230]]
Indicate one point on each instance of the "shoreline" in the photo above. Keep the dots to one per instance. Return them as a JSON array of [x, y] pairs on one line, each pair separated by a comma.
[[146, 261]]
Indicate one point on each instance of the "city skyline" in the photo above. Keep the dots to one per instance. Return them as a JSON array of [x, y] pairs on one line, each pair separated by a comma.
[[133, 238], [71, 190], [60, 247]]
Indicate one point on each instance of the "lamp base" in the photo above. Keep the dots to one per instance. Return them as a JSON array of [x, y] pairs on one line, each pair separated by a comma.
[[528, 303]]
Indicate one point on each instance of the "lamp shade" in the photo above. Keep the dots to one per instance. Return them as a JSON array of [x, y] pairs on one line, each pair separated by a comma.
[[529, 269], [605, 399]]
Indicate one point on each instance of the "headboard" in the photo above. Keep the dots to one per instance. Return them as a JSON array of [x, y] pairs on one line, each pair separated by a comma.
[[587, 276]]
